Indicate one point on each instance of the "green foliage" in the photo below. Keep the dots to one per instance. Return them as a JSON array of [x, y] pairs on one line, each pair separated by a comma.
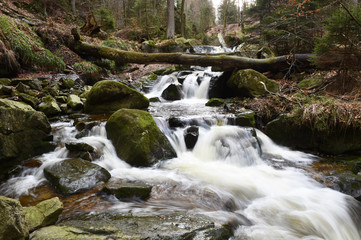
[[106, 19], [86, 67], [343, 33], [28, 46], [229, 12]]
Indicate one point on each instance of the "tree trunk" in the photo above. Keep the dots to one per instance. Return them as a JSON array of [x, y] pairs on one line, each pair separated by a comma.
[[183, 20], [73, 2], [218, 62], [171, 25]]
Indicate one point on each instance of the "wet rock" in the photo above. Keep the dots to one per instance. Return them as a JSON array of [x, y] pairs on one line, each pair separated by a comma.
[[349, 183], [109, 96], [175, 226], [172, 92], [175, 122], [12, 217], [218, 86], [23, 133], [81, 125], [80, 147], [191, 136], [137, 139], [248, 83], [83, 133], [244, 119], [215, 102], [181, 76], [67, 83], [74, 102], [123, 190], [43, 214], [75, 175], [288, 130], [50, 107], [154, 99]]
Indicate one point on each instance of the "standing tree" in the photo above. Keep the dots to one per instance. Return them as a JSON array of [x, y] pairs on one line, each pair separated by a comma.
[[170, 25]]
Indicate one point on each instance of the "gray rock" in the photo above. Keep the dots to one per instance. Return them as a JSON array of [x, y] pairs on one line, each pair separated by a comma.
[[172, 92], [191, 136], [175, 226], [128, 189], [12, 217], [74, 102], [75, 175]]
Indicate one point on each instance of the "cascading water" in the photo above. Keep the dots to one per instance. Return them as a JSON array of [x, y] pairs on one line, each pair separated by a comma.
[[229, 175]]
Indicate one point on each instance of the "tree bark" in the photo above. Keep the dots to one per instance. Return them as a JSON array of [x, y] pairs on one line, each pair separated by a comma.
[[171, 25], [218, 62], [183, 20]]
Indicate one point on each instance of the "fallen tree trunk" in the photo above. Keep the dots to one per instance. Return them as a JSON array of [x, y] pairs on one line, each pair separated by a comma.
[[218, 62]]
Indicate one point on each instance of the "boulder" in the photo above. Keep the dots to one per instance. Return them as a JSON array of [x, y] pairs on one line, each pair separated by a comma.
[[32, 101], [34, 84], [43, 214], [124, 190], [24, 133], [109, 96], [172, 92], [191, 136], [247, 83], [74, 102], [50, 107], [218, 86], [215, 102], [288, 130], [137, 139], [12, 217], [113, 225], [75, 175], [67, 83], [243, 119]]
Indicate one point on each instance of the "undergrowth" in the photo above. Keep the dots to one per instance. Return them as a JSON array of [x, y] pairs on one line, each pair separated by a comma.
[[28, 46]]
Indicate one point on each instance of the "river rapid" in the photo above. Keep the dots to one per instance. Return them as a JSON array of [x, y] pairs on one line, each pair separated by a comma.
[[234, 175]]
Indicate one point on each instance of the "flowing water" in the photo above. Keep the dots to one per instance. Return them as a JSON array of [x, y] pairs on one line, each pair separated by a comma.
[[229, 175]]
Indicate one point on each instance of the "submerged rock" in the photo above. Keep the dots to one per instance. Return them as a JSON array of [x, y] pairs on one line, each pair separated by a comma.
[[247, 83], [128, 189], [12, 217], [172, 92], [75, 175], [24, 133], [137, 139], [109, 96], [175, 226], [43, 214]]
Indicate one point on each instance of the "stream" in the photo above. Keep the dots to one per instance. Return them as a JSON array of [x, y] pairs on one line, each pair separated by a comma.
[[264, 190]]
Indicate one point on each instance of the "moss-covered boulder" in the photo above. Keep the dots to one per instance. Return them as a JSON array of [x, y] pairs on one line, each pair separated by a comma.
[[74, 102], [43, 214], [215, 102], [243, 119], [136, 226], [137, 139], [24, 133], [290, 130], [32, 101], [109, 96], [75, 175], [248, 83], [310, 83], [49, 106], [67, 83], [12, 217], [124, 190]]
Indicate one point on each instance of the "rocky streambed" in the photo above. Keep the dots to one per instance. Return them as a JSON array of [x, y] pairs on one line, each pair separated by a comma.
[[182, 171]]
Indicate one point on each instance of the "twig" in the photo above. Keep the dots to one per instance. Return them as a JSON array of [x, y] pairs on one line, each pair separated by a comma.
[[279, 95]]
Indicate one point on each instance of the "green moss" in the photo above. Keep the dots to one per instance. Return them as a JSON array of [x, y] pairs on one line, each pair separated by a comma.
[[28, 46], [310, 83], [215, 102], [91, 71], [123, 45]]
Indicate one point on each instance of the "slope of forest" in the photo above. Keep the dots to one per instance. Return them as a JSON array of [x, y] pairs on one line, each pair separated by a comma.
[[54, 56]]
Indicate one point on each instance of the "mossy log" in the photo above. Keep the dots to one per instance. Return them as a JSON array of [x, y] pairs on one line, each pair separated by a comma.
[[218, 62]]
